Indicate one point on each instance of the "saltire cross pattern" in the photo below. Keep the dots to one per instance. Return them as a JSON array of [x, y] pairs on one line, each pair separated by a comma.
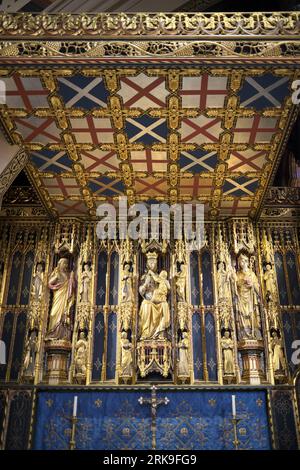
[[79, 128]]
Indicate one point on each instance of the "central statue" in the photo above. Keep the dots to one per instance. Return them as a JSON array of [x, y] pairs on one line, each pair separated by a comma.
[[62, 284], [247, 299], [154, 315]]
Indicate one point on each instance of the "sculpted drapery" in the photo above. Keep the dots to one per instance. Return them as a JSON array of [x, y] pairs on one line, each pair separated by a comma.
[[247, 301], [154, 315], [62, 284]]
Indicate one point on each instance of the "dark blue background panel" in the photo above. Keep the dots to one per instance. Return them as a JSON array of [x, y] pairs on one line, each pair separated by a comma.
[[197, 346], [98, 347]]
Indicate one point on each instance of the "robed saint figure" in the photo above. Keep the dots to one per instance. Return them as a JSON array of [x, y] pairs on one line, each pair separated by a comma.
[[62, 284]]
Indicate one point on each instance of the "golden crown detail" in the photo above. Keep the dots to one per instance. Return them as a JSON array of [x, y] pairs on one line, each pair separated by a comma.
[[151, 255]]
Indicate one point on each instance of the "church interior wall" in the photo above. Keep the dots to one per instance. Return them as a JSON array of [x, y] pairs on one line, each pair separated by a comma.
[[30, 251], [155, 343]]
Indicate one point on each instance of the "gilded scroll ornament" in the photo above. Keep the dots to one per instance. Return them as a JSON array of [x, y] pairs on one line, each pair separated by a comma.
[[107, 25]]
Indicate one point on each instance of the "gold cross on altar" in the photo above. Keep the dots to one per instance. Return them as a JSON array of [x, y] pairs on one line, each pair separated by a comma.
[[154, 402]]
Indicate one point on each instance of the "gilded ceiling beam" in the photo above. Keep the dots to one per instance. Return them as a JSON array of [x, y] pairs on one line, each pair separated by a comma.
[[97, 26]]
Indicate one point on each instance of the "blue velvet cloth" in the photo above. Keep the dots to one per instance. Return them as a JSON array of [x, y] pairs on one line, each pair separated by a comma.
[[106, 420], [202, 420], [116, 420]]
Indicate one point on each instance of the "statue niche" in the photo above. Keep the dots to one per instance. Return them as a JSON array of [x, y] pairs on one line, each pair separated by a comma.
[[154, 347], [30, 352], [247, 300], [62, 284], [127, 296], [227, 346], [278, 358], [58, 338], [86, 280], [81, 357]]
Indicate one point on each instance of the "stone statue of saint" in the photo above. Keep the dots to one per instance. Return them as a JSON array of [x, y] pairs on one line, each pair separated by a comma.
[[62, 284], [270, 283], [81, 352], [126, 355], [30, 354], [247, 301], [183, 355], [223, 282], [127, 291], [267, 247], [225, 315], [86, 279], [277, 352], [37, 285], [228, 358], [181, 283], [154, 314]]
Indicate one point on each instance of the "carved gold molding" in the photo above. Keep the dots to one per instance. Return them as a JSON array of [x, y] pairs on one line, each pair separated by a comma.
[[106, 25], [158, 48], [12, 170]]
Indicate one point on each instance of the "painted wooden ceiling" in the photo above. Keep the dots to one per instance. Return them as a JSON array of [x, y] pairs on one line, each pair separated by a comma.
[[154, 134]]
